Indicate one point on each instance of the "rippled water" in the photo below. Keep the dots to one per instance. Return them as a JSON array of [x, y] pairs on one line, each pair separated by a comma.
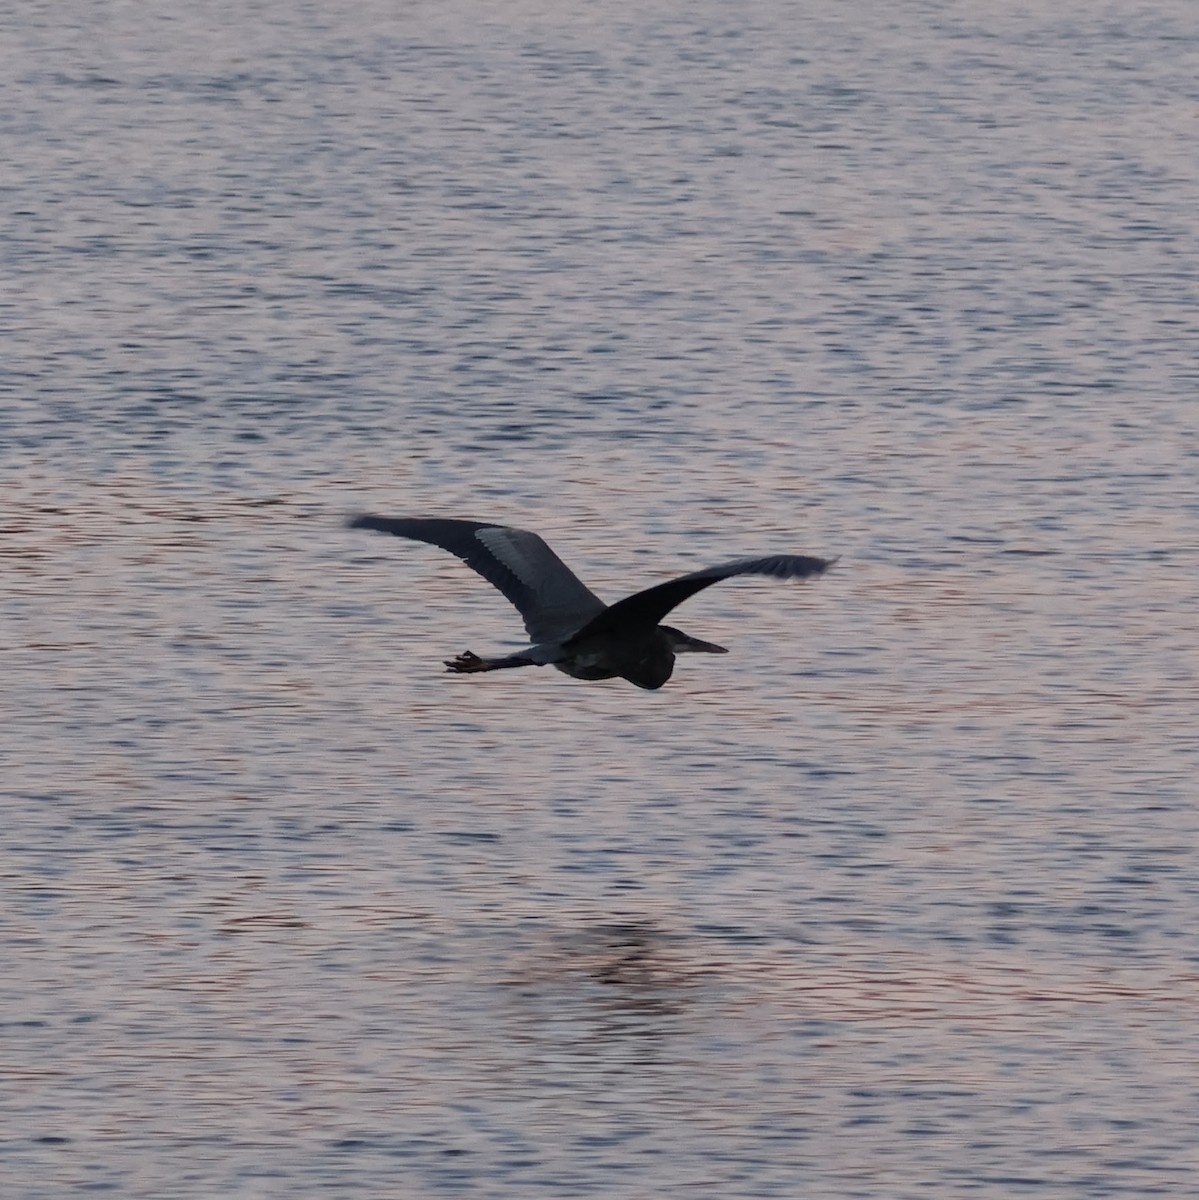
[[898, 899]]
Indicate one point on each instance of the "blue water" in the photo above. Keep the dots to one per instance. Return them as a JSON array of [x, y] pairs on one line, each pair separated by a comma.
[[898, 899]]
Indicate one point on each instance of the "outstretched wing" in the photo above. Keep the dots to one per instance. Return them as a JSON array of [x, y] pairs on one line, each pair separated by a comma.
[[644, 610], [550, 597]]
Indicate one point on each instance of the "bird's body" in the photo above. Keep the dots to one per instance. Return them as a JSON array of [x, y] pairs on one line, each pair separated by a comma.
[[570, 627]]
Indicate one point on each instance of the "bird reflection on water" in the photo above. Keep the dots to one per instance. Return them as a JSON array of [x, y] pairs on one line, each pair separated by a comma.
[[570, 627], [629, 973]]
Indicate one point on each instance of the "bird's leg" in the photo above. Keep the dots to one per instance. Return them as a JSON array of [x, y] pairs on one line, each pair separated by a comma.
[[468, 663]]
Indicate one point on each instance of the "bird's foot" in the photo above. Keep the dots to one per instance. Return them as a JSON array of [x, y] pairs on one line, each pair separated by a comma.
[[465, 663]]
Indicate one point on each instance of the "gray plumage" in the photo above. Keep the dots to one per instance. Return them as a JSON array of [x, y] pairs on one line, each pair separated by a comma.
[[569, 626]]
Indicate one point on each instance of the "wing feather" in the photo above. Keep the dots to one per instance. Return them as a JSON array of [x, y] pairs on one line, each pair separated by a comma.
[[550, 597], [644, 610]]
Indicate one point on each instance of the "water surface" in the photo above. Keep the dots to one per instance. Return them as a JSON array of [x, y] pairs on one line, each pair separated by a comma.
[[897, 899]]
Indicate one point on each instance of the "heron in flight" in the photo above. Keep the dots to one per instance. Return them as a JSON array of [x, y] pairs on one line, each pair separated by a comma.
[[568, 624]]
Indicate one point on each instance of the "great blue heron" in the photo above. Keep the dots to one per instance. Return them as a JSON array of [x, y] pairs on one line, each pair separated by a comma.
[[569, 626]]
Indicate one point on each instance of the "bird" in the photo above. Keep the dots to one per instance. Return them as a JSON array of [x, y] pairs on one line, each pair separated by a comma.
[[569, 626]]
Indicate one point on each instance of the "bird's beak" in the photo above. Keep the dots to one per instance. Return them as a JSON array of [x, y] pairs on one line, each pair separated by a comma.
[[695, 646]]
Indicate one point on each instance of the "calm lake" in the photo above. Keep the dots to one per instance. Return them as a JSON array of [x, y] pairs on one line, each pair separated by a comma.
[[897, 900]]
